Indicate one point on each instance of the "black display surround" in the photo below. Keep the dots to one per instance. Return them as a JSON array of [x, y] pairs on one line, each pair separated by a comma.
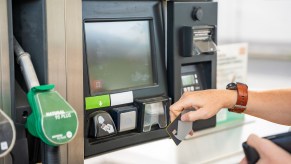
[[123, 11]]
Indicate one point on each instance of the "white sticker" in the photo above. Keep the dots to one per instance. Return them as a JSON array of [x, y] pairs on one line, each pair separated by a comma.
[[4, 145], [121, 98], [69, 134]]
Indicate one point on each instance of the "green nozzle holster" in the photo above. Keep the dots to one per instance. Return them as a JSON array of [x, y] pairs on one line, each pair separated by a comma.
[[53, 119]]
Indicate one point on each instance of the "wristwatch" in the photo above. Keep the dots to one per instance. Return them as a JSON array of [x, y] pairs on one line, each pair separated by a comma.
[[242, 96]]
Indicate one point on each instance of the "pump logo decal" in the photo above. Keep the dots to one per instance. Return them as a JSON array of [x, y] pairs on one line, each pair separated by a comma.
[[61, 114]]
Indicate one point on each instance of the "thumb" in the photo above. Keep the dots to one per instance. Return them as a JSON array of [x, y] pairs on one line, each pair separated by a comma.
[[195, 115], [268, 150], [263, 146], [257, 143], [244, 161]]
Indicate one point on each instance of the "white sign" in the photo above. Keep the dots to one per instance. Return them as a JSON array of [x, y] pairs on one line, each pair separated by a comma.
[[231, 67], [231, 64]]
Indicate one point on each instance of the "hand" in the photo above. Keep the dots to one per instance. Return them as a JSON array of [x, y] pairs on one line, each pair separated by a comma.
[[268, 151], [207, 103]]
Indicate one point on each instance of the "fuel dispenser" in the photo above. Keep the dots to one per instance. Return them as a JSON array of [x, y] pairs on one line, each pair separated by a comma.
[[125, 89], [107, 59], [191, 49]]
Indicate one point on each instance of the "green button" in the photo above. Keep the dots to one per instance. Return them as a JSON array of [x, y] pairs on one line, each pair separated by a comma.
[[97, 102]]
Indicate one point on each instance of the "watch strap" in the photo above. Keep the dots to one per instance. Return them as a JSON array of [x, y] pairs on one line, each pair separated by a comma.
[[242, 98]]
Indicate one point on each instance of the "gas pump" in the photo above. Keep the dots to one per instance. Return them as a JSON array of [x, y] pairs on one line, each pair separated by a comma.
[[107, 58]]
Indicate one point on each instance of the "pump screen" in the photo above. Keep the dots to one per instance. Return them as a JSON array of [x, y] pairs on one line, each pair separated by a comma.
[[119, 55], [188, 80]]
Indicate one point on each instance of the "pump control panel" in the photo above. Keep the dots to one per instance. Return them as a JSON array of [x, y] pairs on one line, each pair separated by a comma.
[[125, 91], [191, 79], [191, 50]]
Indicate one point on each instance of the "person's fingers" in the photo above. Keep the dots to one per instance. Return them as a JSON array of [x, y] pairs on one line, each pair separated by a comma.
[[268, 151], [195, 115], [263, 146], [244, 161], [260, 144], [255, 142], [180, 105], [191, 133], [172, 116]]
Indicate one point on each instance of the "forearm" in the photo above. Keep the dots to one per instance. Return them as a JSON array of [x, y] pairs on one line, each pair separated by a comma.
[[272, 105]]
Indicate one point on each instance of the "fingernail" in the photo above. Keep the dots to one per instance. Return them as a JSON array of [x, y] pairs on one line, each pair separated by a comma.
[[184, 118], [191, 133]]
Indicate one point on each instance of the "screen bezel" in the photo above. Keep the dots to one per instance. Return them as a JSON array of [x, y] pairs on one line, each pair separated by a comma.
[[154, 56], [158, 77]]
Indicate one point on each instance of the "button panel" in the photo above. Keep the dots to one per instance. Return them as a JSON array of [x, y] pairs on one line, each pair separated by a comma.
[[193, 86], [97, 102]]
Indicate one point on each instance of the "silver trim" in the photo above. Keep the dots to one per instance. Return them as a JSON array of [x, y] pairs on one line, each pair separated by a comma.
[[5, 83], [65, 64], [5, 86], [74, 45]]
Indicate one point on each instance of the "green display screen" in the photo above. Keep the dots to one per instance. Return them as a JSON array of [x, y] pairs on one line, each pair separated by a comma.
[[119, 55], [188, 80]]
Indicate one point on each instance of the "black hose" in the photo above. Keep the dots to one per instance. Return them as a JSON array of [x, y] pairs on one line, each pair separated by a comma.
[[51, 154]]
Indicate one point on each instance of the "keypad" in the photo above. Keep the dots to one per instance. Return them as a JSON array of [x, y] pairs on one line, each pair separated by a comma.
[[193, 87]]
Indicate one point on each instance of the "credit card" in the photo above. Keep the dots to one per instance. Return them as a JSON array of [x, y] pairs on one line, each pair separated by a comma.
[[178, 129]]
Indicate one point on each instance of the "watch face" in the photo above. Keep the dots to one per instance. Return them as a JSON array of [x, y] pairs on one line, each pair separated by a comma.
[[231, 86]]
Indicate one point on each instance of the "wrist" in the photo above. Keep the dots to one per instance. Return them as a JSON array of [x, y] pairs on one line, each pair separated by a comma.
[[230, 98]]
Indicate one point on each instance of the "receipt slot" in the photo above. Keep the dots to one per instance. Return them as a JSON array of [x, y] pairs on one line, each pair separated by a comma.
[[198, 40], [191, 50]]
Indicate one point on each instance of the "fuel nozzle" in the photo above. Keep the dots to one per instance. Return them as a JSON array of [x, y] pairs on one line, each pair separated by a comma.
[[53, 119]]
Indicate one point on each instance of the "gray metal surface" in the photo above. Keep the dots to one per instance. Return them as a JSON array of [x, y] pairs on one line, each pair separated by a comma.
[[5, 88], [65, 64], [5, 84]]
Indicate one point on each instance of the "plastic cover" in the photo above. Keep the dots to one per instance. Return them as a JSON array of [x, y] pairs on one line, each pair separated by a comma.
[[7, 134], [155, 113]]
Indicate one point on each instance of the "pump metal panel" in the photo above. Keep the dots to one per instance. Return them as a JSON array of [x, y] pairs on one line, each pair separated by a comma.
[[5, 86], [65, 64], [6, 63]]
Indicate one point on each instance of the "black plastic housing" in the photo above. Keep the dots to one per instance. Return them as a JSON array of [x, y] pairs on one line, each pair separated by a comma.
[[180, 15], [127, 10]]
